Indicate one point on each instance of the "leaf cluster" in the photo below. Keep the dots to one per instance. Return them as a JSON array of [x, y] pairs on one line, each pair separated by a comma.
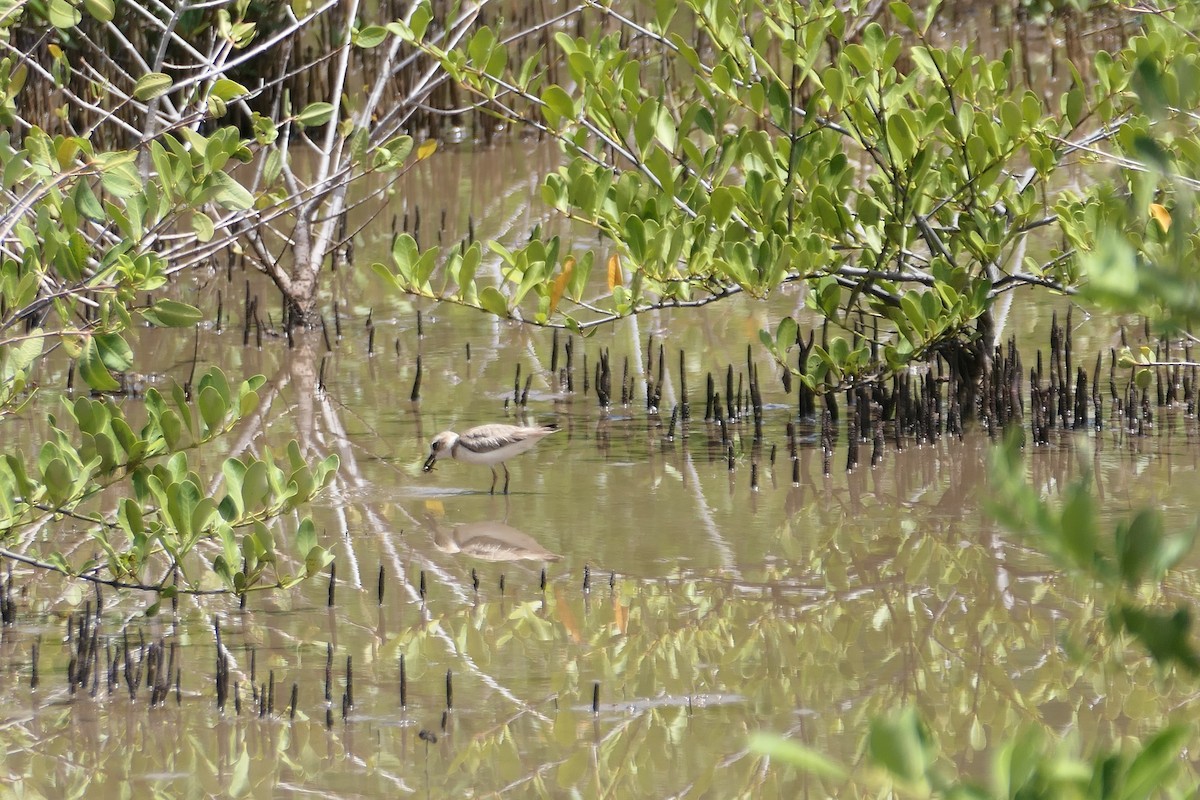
[[1136, 232], [741, 146], [84, 242], [1139, 555], [166, 516]]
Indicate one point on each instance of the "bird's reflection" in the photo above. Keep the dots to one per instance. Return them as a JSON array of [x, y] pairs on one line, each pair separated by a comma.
[[490, 541]]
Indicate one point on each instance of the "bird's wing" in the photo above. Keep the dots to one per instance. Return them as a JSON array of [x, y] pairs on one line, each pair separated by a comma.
[[486, 438]]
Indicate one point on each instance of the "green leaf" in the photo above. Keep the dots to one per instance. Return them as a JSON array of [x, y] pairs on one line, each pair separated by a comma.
[[248, 394], [172, 314], [400, 147], [424, 268], [255, 487], [785, 334], [721, 206], [764, 336], [370, 36], [86, 202], [466, 272], [93, 371], [63, 15], [114, 351], [931, 11], [1072, 106], [129, 516], [910, 303], [1164, 635], [1079, 527], [315, 560], [828, 297], [419, 20], [215, 378], [172, 428], [212, 408], [1140, 548], [234, 472], [59, 480], [151, 85], [791, 752], [405, 255], [1012, 119], [188, 417], [1151, 153], [533, 276], [491, 300], [306, 536], [558, 105], [263, 542], [231, 194], [227, 89], [1159, 759], [315, 114], [20, 355], [1147, 82], [119, 174], [103, 10], [904, 15], [899, 744], [665, 131], [900, 138], [202, 224], [387, 276]]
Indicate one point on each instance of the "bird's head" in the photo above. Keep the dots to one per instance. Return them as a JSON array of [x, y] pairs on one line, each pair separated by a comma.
[[440, 447]]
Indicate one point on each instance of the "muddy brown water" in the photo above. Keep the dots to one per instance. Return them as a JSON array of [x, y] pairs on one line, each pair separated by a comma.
[[710, 609]]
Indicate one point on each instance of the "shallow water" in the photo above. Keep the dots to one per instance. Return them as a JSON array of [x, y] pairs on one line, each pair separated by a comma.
[[692, 607]]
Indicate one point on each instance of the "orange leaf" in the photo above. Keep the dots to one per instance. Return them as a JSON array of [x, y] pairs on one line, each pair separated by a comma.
[[1161, 216], [560, 283], [563, 606], [614, 272], [620, 615]]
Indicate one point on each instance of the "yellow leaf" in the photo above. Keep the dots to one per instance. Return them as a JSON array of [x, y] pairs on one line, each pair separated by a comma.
[[614, 272], [426, 149], [73, 344], [55, 51], [560, 283], [1161, 216], [435, 508]]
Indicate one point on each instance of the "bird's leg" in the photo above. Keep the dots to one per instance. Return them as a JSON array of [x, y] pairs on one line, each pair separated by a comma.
[[505, 477], [493, 489]]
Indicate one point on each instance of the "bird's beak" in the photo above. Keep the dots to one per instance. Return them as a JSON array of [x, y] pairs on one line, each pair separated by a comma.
[[429, 462]]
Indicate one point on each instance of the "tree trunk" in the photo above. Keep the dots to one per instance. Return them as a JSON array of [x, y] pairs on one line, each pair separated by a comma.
[[971, 360], [300, 287]]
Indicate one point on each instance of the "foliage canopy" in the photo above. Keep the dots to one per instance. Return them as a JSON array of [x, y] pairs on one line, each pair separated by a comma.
[[737, 146]]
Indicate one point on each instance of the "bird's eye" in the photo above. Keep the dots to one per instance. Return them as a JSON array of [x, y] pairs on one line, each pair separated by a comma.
[[437, 446]]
